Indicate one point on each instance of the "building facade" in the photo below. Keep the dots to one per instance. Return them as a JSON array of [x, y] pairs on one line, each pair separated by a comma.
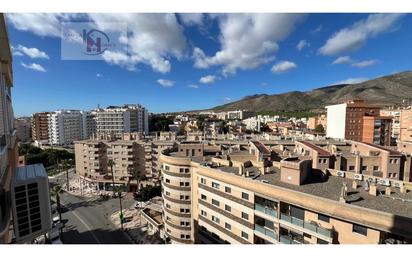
[[40, 127], [128, 118], [406, 125], [237, 197], [23, 129], [65, 126], [8, 139]]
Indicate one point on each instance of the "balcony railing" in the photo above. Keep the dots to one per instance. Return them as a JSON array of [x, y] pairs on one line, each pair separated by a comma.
[[310, 226], [265, 231], [288, 240], [266, 210]]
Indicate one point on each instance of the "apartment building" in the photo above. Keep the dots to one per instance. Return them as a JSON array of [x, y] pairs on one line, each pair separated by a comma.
[[89, 123], [23, 129], [124, 119], [252, 123], [239, 114], [396, 125], [65, 126], [406, 125], [234, 197], [8, 142], [313, 122], [40, 127], [359, 121]]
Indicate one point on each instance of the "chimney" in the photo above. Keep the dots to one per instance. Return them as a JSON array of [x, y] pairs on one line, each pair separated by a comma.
[[388, 191], [373, 190]]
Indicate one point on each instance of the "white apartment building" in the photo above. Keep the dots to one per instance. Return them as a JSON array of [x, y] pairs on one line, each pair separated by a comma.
[[65, 126], [89, 123], [252, 123], [336, 121], [125, 119]]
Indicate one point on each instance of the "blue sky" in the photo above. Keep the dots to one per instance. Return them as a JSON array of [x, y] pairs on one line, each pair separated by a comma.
[[194, 61]]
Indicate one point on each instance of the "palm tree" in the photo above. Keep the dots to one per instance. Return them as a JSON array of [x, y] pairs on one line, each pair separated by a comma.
[[66, 168], [111, 163], [136, 176], [56, 191], [119, 190]]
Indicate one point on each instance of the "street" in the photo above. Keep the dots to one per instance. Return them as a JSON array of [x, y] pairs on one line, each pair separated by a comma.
[[87, 219]]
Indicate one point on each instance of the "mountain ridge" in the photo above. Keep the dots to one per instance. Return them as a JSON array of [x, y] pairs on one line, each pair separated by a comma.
[[387, 90]]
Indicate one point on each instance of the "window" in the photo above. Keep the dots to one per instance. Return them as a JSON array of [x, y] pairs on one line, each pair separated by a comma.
[[167, 205], [245, 216], [184, 223], [187, 170], [323, 218], [203, 181], [228, 208], [364, 168], [245, 196], [184, 184], [203, 213], [375, 168], [215, 219], [184, 197], [245, 235], [203, 197], [228, 226], [167, 193], [228, 190], [215, 202], [351, 167], [187, 236], [167, 180], [181, 170], [215, 185], [360, 229], [167, 167], [182, 210], [182, 236]]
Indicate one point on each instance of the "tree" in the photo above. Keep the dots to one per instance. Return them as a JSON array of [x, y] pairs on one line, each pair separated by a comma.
[[136, 176], [66, 168], [319, 128], [148, 192], [111, 163], [56, 191], [118, 191]]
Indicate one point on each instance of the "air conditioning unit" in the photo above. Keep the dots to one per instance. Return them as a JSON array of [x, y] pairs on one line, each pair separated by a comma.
[[397, 183], [384, 182], [372, 180], [358, 177], [340, 174], [31, 203]]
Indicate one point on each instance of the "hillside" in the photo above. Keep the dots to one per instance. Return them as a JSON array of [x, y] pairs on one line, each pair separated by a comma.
[[387, 90]]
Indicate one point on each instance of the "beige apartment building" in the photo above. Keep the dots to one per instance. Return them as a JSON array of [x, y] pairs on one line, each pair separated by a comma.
[[230, 194], [317, 120], [405, 125], [40, 127]]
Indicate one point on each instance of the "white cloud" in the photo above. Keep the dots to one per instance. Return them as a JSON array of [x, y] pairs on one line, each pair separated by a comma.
[[317, 29], [41, 24], [208, 79], [354, 63], [302, 44], [352, 38], [33, 66], [99, 75], [193, 86], [227, 99], [342, 59], [32, 52], [165, 82], [365, 63], [191, 18], [283, 66], [350, 81], [154, 39], [247, 40]]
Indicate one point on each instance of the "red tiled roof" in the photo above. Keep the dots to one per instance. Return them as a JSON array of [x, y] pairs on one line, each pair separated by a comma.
[[319, 150], [261, 147]]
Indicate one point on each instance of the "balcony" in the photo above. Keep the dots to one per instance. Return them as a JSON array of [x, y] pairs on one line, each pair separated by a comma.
[[288, 240], [266, 232], [327, 233], [266, 210]]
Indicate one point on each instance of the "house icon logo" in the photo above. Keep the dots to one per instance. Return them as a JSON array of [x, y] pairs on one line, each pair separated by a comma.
[[95, 41]]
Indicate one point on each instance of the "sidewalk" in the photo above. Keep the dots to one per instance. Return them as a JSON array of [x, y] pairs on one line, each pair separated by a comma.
[[134, 227]]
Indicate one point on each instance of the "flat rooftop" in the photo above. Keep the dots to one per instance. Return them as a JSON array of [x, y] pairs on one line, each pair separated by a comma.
[[397, 203]]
